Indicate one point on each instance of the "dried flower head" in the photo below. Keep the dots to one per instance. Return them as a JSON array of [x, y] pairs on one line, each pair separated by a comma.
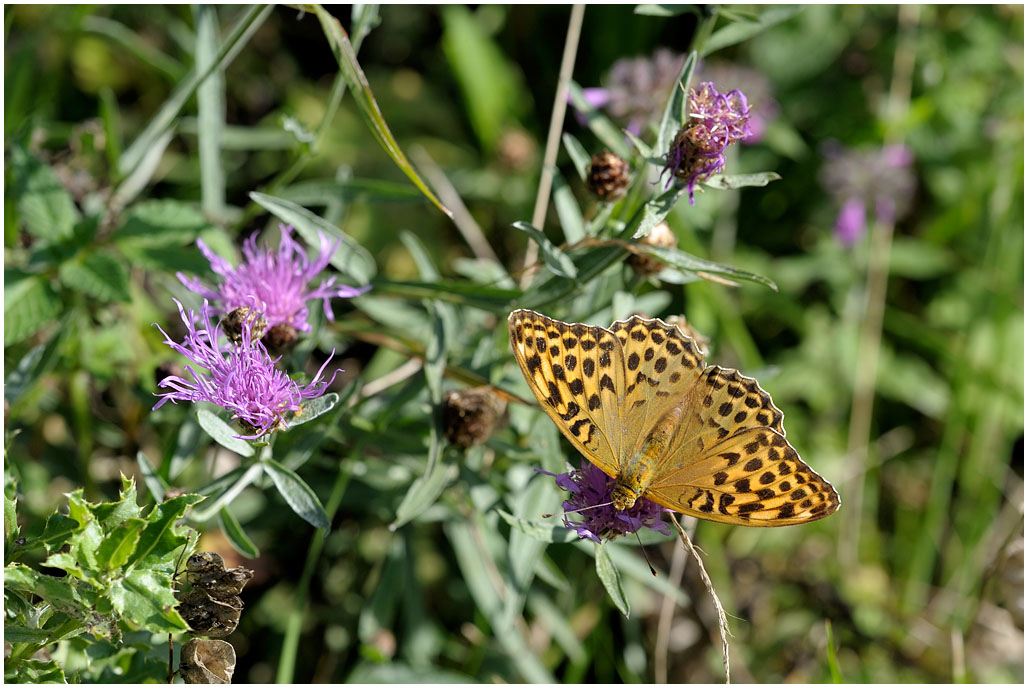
[[716, 121], [277, 280], [644, 264], [590, 490], [880, 179], [469, 416], [242, 378], [608, 176], [280, 338]]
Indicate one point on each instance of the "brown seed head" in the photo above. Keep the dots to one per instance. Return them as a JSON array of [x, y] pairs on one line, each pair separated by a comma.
[[645, 264], [469, 416], [608, 176]]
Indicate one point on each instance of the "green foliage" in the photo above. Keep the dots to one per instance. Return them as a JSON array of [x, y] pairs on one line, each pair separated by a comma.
[[119, 562], [384, 552]]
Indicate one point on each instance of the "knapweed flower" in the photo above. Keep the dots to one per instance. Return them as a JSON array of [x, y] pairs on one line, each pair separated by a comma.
[[761, 103], [877, 179], [590, 497], [716, 121], [277, 280], [241, 377], [636, 89]]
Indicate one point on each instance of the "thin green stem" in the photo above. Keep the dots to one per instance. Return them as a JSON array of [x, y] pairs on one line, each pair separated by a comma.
[[291, 640]]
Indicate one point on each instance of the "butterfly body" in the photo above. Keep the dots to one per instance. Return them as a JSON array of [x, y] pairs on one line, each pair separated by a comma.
[[638, 402]]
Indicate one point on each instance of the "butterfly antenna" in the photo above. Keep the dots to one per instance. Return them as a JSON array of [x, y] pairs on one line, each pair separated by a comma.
[[591, 507], [645, 557]]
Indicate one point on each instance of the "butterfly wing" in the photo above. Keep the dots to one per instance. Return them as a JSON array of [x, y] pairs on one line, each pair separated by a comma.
[[576, 372], [730, 461]]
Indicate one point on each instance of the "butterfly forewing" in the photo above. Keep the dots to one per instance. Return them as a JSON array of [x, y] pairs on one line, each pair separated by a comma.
[[575, 371]]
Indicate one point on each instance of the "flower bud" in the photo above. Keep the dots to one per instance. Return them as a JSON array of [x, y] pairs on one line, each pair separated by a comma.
[[608, 176], [644, 264]]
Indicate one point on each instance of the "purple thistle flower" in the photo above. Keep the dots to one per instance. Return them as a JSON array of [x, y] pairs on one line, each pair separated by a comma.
[[278, 281], [868, 178], [590, 487], [242, 379], [716, 121], [761, 102]]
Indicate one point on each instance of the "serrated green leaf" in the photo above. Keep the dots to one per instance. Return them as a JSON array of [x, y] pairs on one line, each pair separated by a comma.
[[757, 179], [29, 305], [543, 533], [351, 259], [11, 528], [159, 521], [46, 207], [297, 494], [59, 528], [223, 434], [34, 671], [344, 53], [147, 599], [610, 578], [556, 260], [236, 535], [111, 514], [97, 274], [119, 544]]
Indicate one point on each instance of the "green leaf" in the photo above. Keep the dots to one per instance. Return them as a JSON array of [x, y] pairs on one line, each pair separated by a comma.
[[644, 149], [147, 599], [422, 494], [312, 409], [556, 260], [701, 268], [577, 152], [34, 671], [163, 121], [111, 514], [236, 535], [223, 434], [98, 274], [655, 210], [609, 135], [344, 53], [210, 110], [675, 115], [568, 211], [228, 487], [134, 43], [46, 207], [159, 521], [665, 10], [297, 494], [59, 528], [119, 544], [11, 528], [154, 483], [539, 531], [492, 299], [757, 179], [610, 578], [740, 31], [29, 305], [351, 259], [491, 88], [168, 259], [160, 222]]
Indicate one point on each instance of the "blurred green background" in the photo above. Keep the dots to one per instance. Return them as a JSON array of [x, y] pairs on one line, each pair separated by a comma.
[[919, 575]]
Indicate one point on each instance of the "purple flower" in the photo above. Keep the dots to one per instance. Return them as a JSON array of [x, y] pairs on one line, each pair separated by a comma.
[[636, 89], [590, 490], [879, 179], [278, 281], [716, 121], [242, 378], [760, 99]]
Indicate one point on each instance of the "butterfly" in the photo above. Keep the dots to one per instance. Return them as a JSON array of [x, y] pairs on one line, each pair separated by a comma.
[[638, 402]]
